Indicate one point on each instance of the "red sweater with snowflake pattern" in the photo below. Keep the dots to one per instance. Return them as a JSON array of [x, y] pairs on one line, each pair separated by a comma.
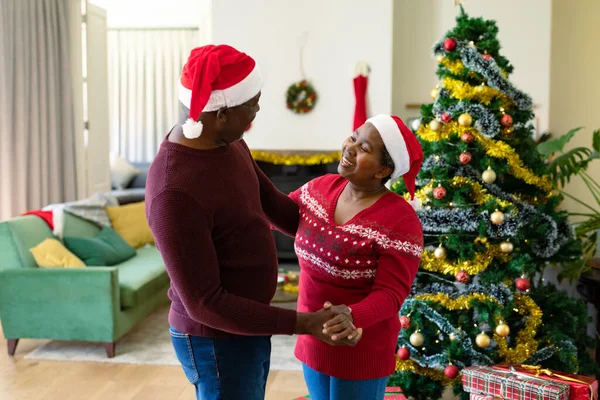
[[368, 263]]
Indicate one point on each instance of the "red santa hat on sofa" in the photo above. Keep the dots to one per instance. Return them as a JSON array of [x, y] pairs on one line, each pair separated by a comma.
[[404, 148], [215, 77]]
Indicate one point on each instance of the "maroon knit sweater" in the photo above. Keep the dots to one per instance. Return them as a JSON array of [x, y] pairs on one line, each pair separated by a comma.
[[207, 210]]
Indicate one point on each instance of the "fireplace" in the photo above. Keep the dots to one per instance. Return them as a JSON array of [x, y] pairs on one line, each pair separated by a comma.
[[288, 178]]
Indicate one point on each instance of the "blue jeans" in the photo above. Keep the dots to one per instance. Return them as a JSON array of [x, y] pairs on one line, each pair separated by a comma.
[[325, 387], [224, 368]]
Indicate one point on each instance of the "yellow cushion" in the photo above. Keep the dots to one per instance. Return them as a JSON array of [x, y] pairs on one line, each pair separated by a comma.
[[52, 253], [130, 222]]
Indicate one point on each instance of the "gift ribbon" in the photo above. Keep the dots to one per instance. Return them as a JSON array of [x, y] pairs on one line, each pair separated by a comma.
[[538, 370], [514, 372]]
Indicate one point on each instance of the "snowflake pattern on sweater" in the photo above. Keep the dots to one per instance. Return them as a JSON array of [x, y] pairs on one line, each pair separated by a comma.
[[351, 248]]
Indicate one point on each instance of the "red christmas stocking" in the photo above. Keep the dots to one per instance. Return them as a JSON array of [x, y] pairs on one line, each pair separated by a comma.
[[360, 92]]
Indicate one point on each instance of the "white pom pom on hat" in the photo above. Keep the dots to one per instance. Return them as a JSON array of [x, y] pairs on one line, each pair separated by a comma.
[[404, 148], [214, 77]]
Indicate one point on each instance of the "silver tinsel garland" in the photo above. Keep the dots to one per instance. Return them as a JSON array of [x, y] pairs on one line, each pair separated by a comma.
[[485, 121], [431, 162], [440, 360], [471, 58], [547, 352], [500, 292], [441, 221], [556, 234]]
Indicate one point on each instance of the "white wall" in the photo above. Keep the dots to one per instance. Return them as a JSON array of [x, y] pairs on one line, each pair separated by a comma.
[[574, 84], [524, 34], [156, 13], [340, 32]]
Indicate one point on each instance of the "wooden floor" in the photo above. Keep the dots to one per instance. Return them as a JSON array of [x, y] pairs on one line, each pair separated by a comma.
[[22, 379]]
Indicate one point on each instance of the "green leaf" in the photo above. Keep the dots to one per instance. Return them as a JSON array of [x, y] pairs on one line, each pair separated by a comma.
[[596, 141], [563, 167], [557, 145]]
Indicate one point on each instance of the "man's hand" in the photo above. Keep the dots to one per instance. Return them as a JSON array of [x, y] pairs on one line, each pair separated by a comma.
[[314, 324]]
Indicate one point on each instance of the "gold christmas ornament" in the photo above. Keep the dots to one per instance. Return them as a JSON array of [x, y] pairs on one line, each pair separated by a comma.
[[435, 125], [440, 253], [483, 340], [434, 93], [417, 339], [502, 330], [488, 176], [465, 120], [497, 217], [506, 247]]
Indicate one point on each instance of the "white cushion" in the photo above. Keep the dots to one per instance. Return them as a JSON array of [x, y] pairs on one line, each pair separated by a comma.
[[121, 171]]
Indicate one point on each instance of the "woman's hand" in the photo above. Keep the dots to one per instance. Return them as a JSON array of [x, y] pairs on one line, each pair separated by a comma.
[[341, 327]]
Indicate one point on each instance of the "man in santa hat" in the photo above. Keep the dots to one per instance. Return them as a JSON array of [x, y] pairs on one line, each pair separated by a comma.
[[210, 208]]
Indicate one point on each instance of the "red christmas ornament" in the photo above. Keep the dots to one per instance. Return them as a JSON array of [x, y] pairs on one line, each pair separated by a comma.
[[449, 44], [439, 192], [463, 276], [486, 57], [446, 118], [403, 353], [466, 137], [506, 120], [522, 284], [404, 322], [465, 158], [451, 371]]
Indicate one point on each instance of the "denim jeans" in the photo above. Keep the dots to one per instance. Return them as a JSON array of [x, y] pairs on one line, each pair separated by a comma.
[[325, 387], [224, 368]]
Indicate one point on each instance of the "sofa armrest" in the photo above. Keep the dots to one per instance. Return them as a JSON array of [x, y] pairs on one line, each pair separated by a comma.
[[59, 303]]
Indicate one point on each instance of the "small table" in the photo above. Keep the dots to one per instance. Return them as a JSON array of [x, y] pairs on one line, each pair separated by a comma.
[[589, 288]]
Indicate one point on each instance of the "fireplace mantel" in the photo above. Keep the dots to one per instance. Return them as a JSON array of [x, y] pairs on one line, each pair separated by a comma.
[[289, 173]]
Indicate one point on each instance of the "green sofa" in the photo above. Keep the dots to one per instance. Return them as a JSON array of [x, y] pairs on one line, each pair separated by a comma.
[[94, 304]]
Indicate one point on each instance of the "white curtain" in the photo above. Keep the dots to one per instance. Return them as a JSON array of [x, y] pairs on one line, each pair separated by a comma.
[[37, 128], [144, 70]]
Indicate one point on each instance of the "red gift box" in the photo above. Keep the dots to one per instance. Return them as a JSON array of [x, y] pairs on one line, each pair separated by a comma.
[[511, 385], [474, 396], [582, 387], [391, 393]]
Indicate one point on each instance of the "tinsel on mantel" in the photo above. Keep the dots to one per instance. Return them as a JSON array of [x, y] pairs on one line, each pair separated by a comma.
[[296, 158]]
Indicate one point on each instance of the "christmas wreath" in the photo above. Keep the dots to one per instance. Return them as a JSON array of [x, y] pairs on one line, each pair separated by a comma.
[[301, 97]]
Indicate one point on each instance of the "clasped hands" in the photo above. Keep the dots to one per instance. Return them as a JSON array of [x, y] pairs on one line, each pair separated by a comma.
[[337, 326]]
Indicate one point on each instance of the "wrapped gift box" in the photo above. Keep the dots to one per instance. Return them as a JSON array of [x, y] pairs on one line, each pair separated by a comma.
[[474, 396], [510, 386], [582, 387], [391, 393]]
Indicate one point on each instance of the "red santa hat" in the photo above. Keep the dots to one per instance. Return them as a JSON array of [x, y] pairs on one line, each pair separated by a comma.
[[404, 148], [215, 77]]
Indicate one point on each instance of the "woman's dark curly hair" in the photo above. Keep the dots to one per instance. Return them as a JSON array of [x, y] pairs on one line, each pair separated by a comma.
[[386, 161]]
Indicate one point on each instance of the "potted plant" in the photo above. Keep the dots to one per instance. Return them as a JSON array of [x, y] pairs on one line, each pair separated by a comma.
[[563, 166]]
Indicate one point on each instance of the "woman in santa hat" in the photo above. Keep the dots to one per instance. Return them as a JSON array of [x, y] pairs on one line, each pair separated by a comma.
[[358, 244]]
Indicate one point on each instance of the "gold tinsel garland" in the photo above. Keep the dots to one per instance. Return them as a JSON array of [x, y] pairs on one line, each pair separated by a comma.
[[455, 67], [484, 94], [494, 148], [460, 303], [526, 345], [478, 193], [296, 159], [410, 365], [474, 266]]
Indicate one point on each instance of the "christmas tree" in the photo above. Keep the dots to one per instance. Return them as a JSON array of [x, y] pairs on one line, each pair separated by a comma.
[[491, 224]]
